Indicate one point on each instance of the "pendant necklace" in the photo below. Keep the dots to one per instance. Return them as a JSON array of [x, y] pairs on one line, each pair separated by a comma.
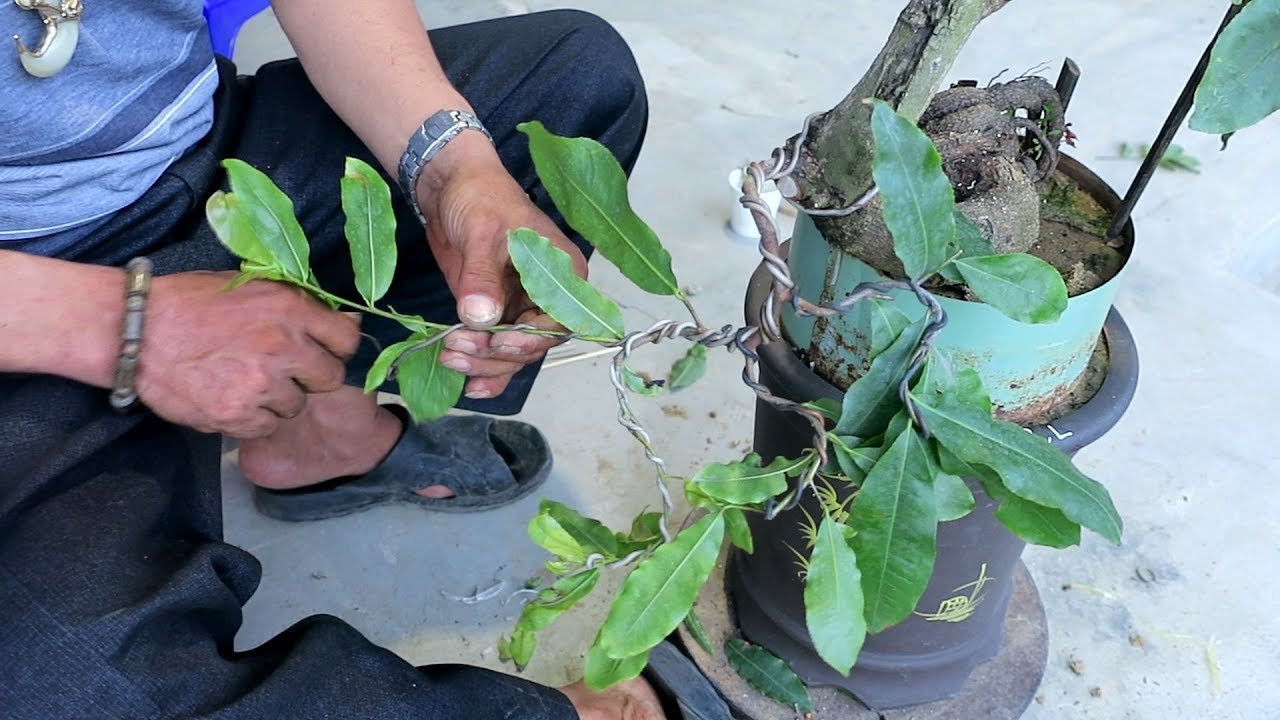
[[61, 20]]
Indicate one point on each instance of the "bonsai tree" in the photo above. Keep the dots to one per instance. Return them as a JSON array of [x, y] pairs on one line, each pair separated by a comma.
[[940, 197]]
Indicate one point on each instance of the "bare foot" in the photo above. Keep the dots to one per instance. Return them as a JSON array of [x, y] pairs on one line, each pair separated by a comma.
[[338, 434], [630, 700]]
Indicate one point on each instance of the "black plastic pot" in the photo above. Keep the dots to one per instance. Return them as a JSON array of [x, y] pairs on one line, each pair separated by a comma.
[[959, 621]]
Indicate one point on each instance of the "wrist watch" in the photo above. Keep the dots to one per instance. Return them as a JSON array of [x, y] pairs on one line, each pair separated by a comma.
[[426, 142]]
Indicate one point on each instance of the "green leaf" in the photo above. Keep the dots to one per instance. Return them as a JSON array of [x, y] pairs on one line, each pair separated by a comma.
[[694, 495], [637, 384], [970, 238], [370, 229], [1030, 521], [377, 374], [699, 632], [973, 243], [898, 425], [854, 461], [646, 526], [246, 276], [250, 271], [689, 368], [735, 522], [268, 213], [916, 195], [1242, 83], [1038, 524], [955, 499], [626, 545], [645, 534], [556, 600], [231, 226], [1027, 464], [945, 376], [895, 514], [518, 648], [872, 400], [1021, 286], [590, 534], [657, 595], [746, 482], [768, 674], [829, 408], [548, 534], [546, 272], [428, 388], [589, 188], [561, 567], [602, 672], [952, 465], [833, 598], [887, 324]]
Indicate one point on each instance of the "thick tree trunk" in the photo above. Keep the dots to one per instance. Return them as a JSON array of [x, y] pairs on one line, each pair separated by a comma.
[[835, 167], [835, 158]]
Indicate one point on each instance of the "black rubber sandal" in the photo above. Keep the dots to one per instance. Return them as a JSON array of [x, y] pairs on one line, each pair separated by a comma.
[[686, 693], [487, 463]]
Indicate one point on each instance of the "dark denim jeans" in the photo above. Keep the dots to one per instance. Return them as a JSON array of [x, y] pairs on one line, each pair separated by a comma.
[[118, 596]]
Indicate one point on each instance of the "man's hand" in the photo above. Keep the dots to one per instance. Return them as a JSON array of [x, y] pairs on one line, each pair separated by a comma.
[[471, 202], [237, 362], [630, 700]]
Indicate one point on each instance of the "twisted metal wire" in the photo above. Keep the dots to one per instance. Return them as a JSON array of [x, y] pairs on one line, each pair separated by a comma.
[[394, 368], [784, 290], [727, 337], [748, 339], [937, 321], [783, 162]]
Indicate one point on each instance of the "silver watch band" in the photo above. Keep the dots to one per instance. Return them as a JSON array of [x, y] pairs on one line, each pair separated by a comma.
[[426, 142]]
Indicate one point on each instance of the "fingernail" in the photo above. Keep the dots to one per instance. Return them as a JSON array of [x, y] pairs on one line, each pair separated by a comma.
[[508, 350], [462, 346], [479, 394], [479, 309], [458, 364]]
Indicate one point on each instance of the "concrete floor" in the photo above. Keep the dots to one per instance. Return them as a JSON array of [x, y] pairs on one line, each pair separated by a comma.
[[1182, 618]]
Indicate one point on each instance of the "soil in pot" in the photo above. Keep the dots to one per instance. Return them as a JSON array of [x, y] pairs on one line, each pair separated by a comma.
[[1033, 372]]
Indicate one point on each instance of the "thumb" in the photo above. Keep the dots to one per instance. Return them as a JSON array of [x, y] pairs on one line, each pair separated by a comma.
[[481, 287]]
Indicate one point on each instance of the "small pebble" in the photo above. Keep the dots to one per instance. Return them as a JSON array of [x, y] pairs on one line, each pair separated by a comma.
[[1076, 665]]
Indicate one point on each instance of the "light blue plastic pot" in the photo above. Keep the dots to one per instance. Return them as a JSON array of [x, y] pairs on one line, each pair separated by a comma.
[[1026, 368]]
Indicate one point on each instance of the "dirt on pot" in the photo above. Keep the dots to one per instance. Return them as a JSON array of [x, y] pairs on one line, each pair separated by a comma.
[[1072, 225], [1067, 400]]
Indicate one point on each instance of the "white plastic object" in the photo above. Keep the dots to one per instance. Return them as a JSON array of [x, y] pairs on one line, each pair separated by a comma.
[[740, 220]]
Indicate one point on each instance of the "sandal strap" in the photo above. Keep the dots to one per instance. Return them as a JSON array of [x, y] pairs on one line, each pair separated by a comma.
[[456, 451]]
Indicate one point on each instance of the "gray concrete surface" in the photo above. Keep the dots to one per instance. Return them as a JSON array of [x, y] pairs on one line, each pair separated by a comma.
[[1180, 620]]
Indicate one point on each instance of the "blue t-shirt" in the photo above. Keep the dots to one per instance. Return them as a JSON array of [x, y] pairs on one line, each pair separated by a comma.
[[84, 143]]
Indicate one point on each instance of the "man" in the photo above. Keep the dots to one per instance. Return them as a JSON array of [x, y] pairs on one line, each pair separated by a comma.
[[120, 598]]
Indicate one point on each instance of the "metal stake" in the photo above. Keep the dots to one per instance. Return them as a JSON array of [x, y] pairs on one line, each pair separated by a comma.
[[1067, 80], [1161, 144]]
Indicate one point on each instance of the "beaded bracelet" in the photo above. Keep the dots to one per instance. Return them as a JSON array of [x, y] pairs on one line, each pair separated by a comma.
[[137, 285]]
